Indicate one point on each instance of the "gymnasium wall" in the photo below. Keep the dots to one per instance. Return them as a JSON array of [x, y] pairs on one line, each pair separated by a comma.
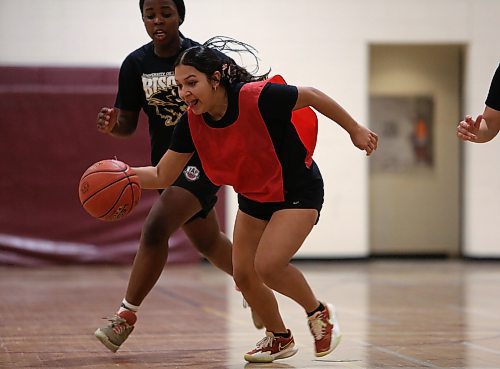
[[324, 43], [48, 139]]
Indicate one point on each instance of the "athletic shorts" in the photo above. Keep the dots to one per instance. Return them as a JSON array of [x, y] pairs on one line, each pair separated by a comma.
[[194, 179], [309, 196]]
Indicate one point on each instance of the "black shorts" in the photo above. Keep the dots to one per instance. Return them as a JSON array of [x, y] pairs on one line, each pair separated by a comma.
[[309, 196], [194, 179]]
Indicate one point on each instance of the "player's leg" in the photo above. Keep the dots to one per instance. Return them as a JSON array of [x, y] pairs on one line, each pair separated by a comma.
[[190, 195], [282, 238], [174, 207], [278, 342], [206, 236], [203, 229]]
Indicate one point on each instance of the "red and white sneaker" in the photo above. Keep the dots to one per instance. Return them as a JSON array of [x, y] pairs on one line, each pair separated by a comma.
[[271, 348], [325, 330], [117, 331]]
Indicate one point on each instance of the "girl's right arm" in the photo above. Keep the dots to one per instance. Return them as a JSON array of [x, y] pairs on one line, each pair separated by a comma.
[[165, 173], [122, 122], [362, 137], [116, 122]]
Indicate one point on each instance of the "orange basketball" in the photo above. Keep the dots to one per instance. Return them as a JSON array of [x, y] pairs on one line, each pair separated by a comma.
[[109, 190]]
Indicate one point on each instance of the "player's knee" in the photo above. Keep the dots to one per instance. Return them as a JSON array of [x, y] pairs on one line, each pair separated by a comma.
[[205, 246], [267, 269], [210, 244], [243, 279], [154, 233]]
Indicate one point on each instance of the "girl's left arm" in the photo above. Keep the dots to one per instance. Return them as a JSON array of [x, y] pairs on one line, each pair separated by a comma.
[[165, 173], [362, 137]]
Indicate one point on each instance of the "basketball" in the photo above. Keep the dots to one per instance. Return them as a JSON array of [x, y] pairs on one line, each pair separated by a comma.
[[109, 190]]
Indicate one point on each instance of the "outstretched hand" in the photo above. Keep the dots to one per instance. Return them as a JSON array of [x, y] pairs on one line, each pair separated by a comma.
[[364, 139], [468, 128], [106, 120]]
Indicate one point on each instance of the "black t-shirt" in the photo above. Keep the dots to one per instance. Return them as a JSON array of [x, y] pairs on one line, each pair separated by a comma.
[[147, 82], [493, 100], [276, 104]]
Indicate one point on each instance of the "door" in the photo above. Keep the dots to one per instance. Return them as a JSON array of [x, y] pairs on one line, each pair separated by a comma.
[[415, 98]]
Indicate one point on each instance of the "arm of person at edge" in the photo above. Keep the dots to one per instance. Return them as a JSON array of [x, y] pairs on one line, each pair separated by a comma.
[[482, 129], [122, 123], [165, 173], [117, 122], [361, 137]]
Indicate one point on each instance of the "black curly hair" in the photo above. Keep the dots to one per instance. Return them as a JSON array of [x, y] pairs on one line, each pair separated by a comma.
[[210, 57]]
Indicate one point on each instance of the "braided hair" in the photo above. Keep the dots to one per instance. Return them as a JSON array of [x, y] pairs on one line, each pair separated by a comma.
[[211, 57]]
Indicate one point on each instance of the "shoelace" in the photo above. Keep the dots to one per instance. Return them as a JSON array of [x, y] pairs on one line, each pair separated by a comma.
[[117, 323], [317, 327], [267, 341]]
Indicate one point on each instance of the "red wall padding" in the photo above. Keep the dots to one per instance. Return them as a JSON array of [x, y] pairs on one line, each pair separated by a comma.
[[48, 138]]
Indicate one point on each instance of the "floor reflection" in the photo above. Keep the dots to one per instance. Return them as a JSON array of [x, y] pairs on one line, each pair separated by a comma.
[[393, 314]]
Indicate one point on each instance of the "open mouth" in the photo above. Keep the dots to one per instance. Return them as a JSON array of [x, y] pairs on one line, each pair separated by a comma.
[[193, 103], [159, 34]]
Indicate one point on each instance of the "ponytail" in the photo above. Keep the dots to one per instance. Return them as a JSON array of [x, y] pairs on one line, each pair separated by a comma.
[[211, 57]]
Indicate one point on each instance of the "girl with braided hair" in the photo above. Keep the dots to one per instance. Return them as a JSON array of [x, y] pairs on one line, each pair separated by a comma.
[[258, 135]]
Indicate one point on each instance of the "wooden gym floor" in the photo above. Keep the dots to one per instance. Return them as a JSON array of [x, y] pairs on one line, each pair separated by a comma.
[[393, 314]]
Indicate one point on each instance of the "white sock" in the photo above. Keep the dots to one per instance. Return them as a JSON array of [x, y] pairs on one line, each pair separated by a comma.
[[125, 305]]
